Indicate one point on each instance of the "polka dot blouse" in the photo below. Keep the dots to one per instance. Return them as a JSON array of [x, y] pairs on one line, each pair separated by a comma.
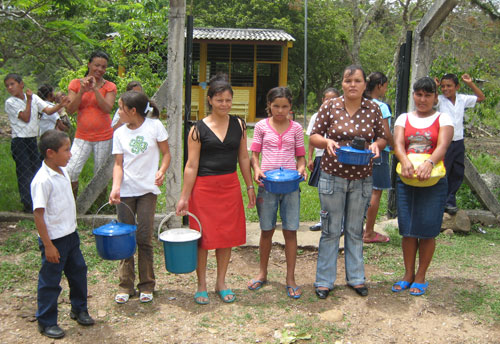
[[335, 123]]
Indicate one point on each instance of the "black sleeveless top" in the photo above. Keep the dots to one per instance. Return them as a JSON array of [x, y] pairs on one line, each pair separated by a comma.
[[218, 157]]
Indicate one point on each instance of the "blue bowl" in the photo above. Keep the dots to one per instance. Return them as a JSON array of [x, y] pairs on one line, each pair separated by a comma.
[[282, 181], [353, 156]]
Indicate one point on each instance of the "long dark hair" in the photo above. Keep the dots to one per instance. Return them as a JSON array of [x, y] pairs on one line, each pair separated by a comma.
[[97, 54], [278, 92], [218, 84], [141, 102], [372, 81]]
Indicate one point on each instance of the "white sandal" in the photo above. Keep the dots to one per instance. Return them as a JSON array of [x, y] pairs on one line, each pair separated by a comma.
[[122, 298], [146, 297]]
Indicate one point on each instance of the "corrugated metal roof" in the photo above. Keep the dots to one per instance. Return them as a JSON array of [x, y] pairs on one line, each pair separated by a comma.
[[242, 34]]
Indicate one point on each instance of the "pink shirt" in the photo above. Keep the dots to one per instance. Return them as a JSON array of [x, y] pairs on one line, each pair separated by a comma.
[[278, 150]]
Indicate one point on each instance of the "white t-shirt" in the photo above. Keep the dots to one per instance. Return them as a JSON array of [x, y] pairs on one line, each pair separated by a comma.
[[116, 118], [48, 122], [457, 111], [317, 151], [14, 105], [423, 122], [52, 191], [141, 156]]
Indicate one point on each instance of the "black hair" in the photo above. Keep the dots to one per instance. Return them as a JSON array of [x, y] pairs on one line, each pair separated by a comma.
[[44, 91], [97, 54], [372, 81], [139, 101], [352, 69], [277, 92], [331, 90], [218, 84], [51, 139], [425, 84], [15, 76], [451, 77], [132, 84]]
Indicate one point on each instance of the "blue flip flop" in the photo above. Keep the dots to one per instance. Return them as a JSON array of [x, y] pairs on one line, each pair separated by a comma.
[[224, 293], [403, 284], [422, 287], [259, 283], [295, 295], [203, 294]]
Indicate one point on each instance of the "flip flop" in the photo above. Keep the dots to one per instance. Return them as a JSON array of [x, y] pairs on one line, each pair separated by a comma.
[[224, 293], [295, 295], [146, 297], [403, 284], [201, 294], [122, 298], [259, 284], [378, 238], [422, 287]]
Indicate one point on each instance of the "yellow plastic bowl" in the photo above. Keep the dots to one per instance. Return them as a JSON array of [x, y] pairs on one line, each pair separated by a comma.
[[438, 172]]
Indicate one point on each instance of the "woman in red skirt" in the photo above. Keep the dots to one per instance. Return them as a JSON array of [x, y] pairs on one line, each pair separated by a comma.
[[211, 188]]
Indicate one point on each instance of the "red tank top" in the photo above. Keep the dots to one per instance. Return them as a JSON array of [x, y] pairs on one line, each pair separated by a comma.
[[421, 140]]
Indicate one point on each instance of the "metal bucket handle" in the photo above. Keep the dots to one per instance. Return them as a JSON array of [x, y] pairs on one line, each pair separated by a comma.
[[107, 203], [169, 215]]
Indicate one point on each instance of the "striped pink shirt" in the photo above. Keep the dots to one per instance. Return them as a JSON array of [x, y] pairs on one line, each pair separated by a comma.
[[278, 150]]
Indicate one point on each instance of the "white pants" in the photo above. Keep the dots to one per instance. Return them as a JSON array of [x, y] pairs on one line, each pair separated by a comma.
[[80, 152]]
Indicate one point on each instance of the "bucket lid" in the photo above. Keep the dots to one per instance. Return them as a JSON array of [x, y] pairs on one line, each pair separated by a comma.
[[282, 175], [114, 228], [180, 235], [349, 149]]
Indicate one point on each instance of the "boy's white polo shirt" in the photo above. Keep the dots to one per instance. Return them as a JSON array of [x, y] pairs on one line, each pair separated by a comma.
[[52, 191], [457, 111], [20, 128]]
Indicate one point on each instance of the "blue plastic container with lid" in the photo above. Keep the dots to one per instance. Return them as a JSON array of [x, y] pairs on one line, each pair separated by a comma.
[[353, 156], [115, 240], [282, 181]]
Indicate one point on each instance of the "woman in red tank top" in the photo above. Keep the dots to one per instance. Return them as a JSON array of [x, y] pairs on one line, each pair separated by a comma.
[[420, 209]]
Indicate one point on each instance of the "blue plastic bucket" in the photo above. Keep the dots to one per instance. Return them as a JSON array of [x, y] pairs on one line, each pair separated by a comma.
[[180, 247], [115, 240]]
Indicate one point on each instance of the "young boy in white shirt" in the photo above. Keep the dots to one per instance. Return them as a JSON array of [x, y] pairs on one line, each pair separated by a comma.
[[23, 109], [454, 104], [55, 219]]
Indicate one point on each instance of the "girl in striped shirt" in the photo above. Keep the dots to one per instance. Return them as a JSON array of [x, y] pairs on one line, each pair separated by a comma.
[[281, 142]]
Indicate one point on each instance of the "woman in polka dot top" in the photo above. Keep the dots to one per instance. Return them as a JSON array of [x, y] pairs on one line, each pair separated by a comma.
[[345, 189]]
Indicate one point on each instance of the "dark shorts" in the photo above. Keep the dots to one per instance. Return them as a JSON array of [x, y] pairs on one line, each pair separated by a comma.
[[314, 177], [420, 210], [381, 172]]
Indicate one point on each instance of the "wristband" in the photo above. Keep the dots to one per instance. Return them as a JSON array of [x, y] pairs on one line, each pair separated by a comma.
[[250, 187], [432, 162]]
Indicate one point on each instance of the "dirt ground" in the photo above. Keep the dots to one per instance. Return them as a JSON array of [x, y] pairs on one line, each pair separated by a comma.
[[256, 316]]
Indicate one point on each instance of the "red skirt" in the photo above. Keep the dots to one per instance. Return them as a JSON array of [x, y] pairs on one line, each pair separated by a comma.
[[217, 202]]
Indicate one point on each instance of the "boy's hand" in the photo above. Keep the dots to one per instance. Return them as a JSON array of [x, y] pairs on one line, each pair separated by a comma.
[[436, 80], [467, 79], [52, 254], [29, 94], [64, 101]]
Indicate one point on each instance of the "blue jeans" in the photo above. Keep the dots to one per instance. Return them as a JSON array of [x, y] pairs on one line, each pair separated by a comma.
[[49, 279], [289, 207], [348, 199]]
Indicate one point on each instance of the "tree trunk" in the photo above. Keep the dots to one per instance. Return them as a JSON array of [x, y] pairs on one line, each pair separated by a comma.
[[169, 96]]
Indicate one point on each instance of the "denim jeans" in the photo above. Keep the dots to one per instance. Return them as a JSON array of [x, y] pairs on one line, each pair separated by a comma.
[[28, 161], [348, 199], [73, 265], [289, 208]]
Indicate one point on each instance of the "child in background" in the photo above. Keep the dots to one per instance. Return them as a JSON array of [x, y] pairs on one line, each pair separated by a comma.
[[46, 92], [281, 142], [22, 109], [454, 104], [136, 180], [55, 220], [131, 86], [376, 87], [314, 164]]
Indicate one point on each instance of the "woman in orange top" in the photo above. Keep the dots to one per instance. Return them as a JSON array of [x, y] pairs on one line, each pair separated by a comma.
[[92, 97]]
